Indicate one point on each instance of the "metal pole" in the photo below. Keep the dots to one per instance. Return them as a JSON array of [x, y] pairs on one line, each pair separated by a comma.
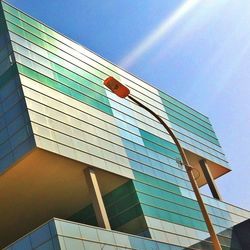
[[96, 197], [210, 180], [209, 224]]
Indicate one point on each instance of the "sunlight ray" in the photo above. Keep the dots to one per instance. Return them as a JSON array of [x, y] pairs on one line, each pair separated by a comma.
[[165, 26]]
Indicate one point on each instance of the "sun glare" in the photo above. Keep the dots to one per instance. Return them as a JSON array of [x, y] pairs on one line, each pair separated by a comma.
[[165, 26]]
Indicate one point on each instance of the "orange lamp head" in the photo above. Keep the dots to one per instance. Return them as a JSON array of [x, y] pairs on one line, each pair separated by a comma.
[[116, 87]]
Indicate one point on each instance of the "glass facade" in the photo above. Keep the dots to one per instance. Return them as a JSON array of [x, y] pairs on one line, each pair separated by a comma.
[[16, 137], [59, 234], [52, 98]]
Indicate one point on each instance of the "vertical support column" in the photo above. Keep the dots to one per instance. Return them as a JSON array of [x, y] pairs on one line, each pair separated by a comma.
[[210, 180], [96, 197]]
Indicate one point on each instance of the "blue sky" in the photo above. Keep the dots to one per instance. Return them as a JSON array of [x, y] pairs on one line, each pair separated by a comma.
[[195, 50]]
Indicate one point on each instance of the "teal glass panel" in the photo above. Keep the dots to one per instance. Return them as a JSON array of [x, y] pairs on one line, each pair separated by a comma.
[[24, 17], [63, 89], [150, 200], [82, 84], [173, 217], [210, 136], [85, 215], [15, 24], [72, 68], [124, 189], [47, 34], [164, 143], [165, 194], [205, 130], [122, 206], [161, 150], [193, 121], [156, 182], [9, 8], [76, 84], [32, 38], [18, 22], [183, 107]]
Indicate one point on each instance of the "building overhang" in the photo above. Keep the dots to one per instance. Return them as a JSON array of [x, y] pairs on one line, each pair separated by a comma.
[[43, 185], [215, 169]]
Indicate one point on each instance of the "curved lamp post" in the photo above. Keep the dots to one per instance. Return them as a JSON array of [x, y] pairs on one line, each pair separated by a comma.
[[122, 91]]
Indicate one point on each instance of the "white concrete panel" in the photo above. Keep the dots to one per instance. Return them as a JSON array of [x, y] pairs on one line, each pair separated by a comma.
[[86, 153], [77, 128], [73, 122], [46, 144], [75, 138], [67, 103]]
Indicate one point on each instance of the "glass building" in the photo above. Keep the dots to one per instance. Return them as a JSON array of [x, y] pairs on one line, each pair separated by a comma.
[[63, 135]]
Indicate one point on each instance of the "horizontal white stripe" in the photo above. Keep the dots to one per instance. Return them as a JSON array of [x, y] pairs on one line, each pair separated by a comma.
[[81, 156]]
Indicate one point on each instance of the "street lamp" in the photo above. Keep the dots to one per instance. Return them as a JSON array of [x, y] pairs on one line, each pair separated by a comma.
[[122, 91]]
